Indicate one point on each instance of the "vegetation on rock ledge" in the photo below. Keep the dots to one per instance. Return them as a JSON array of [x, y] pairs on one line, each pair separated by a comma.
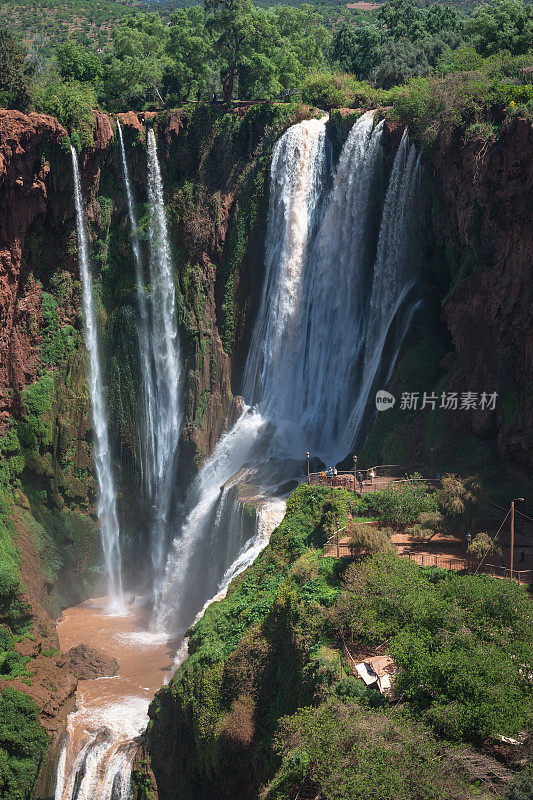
[[260, 696]]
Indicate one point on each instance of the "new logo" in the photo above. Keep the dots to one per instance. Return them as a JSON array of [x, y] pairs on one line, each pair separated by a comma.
[[384, 400]]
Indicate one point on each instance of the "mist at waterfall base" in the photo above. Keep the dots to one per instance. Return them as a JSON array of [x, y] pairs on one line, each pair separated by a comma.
[[339, 294]]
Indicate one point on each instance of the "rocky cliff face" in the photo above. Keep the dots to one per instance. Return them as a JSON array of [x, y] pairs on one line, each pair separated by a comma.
[[24, 195], [485, 221], [475, 332]]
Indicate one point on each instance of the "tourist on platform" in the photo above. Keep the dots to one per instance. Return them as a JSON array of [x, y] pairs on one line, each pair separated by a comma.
[[372, 475]]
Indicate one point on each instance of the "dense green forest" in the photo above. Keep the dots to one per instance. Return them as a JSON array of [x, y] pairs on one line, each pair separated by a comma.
[[432, 62]]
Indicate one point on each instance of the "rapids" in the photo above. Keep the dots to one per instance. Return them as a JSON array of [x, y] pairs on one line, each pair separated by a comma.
[[95, 763]]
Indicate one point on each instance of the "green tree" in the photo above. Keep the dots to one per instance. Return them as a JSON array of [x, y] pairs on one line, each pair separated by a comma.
[[264, 51], [303, 44], [459, 499], [189, 52], [502, 25], [401, 59], [71, 102], [427, 525], [135, 70], [16, 73], [401, 20], [357, 49], [482, 545], [77, 63], [244, 39]]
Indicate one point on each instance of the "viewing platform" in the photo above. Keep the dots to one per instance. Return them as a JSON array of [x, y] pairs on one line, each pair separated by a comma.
[[345, 479]]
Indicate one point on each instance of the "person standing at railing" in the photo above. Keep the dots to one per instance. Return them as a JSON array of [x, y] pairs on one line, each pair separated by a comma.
[[360, 480], [372, 475]]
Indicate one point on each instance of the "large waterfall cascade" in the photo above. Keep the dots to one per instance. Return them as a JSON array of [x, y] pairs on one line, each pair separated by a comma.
[[332, 332], [107, 512]]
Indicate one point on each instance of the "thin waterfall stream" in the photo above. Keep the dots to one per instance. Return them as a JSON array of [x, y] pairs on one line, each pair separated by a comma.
[[167, 368], [339, 293], [147, 434], [106, 508]]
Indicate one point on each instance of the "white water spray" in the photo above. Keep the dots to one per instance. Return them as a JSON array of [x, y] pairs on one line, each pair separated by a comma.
[[147, 438], [201, 537], [393, 296], [297, 177], [107, 512], [166, 359], [313, 385]]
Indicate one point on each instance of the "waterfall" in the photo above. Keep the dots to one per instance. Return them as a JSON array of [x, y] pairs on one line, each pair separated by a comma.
[[203, 538], [147, 436], [107, 512], [298, 176], [394, 297], [339, 278], [166, 360], [308, 387]]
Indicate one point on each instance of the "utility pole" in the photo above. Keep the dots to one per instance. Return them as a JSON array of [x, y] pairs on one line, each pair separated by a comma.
[[354, 472], [516, 500], [308, 475]]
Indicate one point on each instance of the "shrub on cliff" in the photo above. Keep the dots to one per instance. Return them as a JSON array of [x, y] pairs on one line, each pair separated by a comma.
[[487, 93], [23, 743], [368, 539], [339, 90], [401, 503], [344, 752], [463, 642]]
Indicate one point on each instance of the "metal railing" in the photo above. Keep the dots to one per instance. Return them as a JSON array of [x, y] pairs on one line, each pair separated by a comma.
[[344, 479], [451, 563]]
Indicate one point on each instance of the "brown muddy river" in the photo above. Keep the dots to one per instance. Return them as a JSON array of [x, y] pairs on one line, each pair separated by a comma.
[[112, 712]]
